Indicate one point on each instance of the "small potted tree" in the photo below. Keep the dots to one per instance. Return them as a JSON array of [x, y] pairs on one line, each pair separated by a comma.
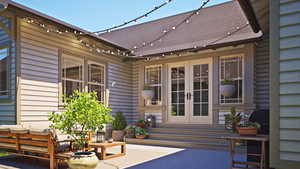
[[147, 93], [83, 114], [118, 125], [140, 133], [232, 119], [227, 88]]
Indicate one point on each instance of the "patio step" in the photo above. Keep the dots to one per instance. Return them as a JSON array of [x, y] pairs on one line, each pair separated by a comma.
[[188, 136], [181, 144]]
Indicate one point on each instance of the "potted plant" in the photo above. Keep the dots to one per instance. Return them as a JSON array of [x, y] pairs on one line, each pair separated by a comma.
[[130, 131], [118, 126], [141, 123], [83, 114], [147, 93], [232, 119], [227, 88], [140, 133], [250, 128]]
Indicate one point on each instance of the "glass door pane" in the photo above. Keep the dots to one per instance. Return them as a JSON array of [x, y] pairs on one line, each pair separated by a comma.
[[200, 90], [178, 91]]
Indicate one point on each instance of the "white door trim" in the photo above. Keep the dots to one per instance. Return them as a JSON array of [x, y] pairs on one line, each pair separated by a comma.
[[189, 118]]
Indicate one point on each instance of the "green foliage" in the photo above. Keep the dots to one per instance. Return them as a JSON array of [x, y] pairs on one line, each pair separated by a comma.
[[83, 113], [146, 87], [140, 131], [251, 125], [130, 127], [120, 122], [233, 118], [4, 154], [226, 82]]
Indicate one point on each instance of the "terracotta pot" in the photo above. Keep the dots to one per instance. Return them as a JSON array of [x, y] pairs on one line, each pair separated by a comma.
[[83, 160], [250, 131], [142, 125], [118, 135], [140, 136], [227, 90]]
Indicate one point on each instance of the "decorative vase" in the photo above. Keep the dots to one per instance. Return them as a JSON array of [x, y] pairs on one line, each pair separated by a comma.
[[248, 131], [147, 94], [83, 160], [140, 136], [129, 133], [118, 135], [227, 90]]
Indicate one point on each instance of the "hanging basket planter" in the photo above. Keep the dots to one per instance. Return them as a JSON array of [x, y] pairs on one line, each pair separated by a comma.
[[227, 89], [147, 93]]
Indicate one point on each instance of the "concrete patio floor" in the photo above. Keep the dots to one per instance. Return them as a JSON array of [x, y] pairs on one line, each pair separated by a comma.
[[142, 157]]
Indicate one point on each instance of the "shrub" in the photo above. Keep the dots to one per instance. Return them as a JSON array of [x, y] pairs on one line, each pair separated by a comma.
[[140, 131], [120, 122], [83, 114]]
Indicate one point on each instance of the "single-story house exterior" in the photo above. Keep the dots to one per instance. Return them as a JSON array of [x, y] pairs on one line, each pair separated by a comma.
[[183, 59]]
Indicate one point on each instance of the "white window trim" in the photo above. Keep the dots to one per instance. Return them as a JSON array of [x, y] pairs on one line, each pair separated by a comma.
[[104, 78], [154, 85], [8, 72], [243, 74]]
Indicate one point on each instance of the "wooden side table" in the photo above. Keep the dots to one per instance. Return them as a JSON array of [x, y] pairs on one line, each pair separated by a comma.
[[104, 146], [261, 138]]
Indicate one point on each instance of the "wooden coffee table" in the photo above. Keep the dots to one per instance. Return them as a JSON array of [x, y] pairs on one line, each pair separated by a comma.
[[104, 146]]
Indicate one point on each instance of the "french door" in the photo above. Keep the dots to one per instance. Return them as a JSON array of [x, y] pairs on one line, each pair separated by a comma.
[[189, 92]]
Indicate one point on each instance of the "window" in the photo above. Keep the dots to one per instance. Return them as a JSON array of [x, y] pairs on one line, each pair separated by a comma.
[[153, 80], [72, 75], [96, 80], [4, 66], [231, 69]]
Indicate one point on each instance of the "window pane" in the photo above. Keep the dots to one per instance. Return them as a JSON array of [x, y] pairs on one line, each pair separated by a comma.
[[197, 110], [3, 71], [153, 79], [72, 70], [232, 69], [70, 86], [99, 89], [96, 73]]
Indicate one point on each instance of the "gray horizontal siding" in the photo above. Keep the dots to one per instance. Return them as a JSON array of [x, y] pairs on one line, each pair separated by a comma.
[[40, 75], [289, 80], [7, 108], [261, 76]]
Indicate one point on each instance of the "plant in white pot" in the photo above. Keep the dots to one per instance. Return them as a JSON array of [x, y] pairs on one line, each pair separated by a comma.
[[147, 93], [227, 88], [83, 114], [118, 126]]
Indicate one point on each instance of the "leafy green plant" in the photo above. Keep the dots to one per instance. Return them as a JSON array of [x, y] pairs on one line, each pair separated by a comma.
[[130, 127], [119, 122], [233, 119], [226, 82], [251, 125], [140, 131], [146, 87], [83, 114]]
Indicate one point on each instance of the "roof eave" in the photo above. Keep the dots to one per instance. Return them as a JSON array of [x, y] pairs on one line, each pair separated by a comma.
[[249, 12], [234, 43]]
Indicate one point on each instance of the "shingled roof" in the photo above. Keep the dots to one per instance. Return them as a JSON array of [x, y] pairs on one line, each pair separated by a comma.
[[212, 23]]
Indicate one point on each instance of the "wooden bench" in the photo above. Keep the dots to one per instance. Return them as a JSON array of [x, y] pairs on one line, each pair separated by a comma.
[[36, 145]]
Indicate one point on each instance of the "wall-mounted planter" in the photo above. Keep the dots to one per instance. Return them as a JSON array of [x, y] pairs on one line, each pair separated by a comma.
[[227, 90], [147, 94]]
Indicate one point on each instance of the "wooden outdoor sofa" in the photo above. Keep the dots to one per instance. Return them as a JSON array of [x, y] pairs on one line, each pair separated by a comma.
[[35, 142]]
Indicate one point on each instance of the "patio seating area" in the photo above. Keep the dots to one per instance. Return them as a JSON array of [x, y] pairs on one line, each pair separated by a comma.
[[138, 156]]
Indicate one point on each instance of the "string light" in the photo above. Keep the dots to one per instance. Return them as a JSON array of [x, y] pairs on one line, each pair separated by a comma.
[[197, 48], [91, 47], [173, 28], [135, 19]]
